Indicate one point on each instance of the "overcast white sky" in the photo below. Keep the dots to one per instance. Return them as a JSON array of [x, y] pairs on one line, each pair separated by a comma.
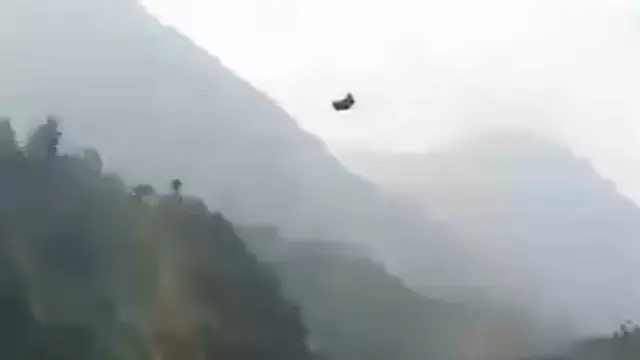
[[427, 71]]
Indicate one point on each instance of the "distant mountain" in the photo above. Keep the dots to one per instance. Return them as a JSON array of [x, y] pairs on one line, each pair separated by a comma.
[[159, 107], [354, 308], [539, 219]]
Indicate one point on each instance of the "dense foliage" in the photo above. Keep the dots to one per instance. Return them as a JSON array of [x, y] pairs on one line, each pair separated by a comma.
[[93, 270]]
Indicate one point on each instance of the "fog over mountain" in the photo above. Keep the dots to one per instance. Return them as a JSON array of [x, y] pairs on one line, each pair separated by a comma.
[[354, 308], [502, 218], [115, 75], [537, 217]]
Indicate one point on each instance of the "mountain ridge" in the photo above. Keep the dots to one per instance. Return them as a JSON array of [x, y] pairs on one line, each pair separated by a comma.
[[117, 75], [535, 216]]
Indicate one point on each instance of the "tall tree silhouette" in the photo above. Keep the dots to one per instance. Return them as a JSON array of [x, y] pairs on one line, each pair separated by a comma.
[[176, 187], [43, 143]]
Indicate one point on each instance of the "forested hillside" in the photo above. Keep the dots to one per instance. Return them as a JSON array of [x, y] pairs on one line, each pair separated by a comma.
[[90, 269]]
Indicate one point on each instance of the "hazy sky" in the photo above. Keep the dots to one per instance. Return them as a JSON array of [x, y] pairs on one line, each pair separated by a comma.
[[427, 71]]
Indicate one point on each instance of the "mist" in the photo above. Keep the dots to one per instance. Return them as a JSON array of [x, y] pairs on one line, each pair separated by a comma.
[[428, 73], [429, 76], [158, 107], [541, 222]]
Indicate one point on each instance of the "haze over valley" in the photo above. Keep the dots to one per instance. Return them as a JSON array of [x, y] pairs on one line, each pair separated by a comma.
[[151, 195]]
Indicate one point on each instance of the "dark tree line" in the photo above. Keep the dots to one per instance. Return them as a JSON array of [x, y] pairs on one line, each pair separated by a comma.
[[624, 344], [90, 269]]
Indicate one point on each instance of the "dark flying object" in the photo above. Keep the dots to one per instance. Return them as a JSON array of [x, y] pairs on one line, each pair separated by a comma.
[[344, 104]]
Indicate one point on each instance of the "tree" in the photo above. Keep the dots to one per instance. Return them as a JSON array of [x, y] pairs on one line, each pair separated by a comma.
[[8, 143], [176, 187], [43, 143], [93, 160], [143, 190]]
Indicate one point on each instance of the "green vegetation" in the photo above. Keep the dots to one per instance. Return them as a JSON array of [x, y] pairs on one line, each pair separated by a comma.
[[93, 270]]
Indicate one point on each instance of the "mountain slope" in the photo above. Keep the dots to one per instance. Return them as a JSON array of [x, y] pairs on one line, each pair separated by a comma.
[[545, 220], [355, 309], [92, 271], [158, 107]]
